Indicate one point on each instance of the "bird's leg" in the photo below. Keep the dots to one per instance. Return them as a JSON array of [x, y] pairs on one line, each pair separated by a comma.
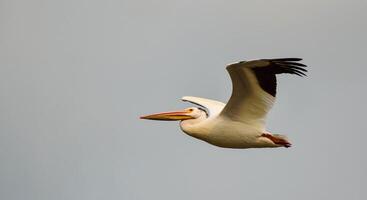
[[277, 139]]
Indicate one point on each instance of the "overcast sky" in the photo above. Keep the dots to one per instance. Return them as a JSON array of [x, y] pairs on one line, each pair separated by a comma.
[[75, 75]]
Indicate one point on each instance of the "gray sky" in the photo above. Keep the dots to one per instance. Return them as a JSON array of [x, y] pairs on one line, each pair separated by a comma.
[[75, 75]]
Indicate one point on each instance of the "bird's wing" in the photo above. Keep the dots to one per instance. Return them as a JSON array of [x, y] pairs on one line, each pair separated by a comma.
[[254, 88], [214, 107]]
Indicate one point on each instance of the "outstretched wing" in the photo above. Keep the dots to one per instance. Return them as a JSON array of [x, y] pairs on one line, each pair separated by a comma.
[[212, 106], [254, 88]]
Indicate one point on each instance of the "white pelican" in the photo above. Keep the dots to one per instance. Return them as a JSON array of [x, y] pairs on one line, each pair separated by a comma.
[[241, 122]]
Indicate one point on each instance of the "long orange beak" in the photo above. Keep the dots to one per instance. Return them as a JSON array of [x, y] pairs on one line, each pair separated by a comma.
[[169, 116]]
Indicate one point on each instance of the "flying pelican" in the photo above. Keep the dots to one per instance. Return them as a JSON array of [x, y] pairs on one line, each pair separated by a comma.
[[241, 122]]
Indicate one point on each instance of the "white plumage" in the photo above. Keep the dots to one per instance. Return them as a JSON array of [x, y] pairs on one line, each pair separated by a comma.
[[241, 122]]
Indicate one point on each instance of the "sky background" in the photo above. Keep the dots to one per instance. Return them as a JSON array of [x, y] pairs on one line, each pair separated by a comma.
[[75, 75]]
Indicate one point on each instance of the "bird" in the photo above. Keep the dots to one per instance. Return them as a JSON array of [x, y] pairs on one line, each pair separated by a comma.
[[241, 122]]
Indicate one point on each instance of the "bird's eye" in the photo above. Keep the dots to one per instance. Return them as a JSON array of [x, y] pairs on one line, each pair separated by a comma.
[[191, 109]]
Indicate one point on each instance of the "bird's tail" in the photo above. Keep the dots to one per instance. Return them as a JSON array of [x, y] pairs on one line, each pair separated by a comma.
[[282, 140], [278, 139]]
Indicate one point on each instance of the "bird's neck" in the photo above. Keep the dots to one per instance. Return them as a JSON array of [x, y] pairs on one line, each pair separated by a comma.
[[194, 127]]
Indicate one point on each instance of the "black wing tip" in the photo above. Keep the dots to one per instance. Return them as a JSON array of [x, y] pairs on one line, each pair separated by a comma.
[[286, 65], [294, 60], [290, 65], [285, 59]]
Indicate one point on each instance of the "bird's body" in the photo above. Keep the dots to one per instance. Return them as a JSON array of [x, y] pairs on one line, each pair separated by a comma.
[[221, 131], [241, 122], [226, 133]]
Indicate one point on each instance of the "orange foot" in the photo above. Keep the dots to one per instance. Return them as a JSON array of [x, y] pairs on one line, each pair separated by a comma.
[[277, 140]]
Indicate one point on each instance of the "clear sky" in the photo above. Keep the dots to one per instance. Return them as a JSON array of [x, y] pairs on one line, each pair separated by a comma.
[[75, 75]]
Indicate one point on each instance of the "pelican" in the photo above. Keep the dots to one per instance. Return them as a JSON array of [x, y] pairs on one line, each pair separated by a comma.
[[241, 122]]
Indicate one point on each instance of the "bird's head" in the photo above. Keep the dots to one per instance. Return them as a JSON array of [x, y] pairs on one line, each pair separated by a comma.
[[185, 114]]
